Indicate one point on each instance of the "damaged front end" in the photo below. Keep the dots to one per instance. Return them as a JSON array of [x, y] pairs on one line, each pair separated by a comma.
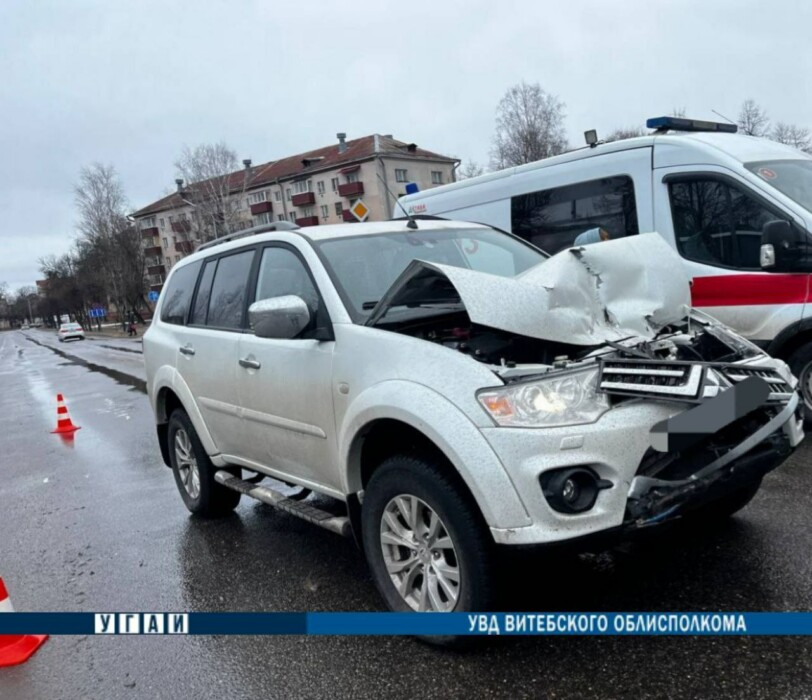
[[595, 329]]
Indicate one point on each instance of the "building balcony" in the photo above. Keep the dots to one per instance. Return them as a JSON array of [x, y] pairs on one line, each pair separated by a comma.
[[348, 216], [150, 232], [156, 286], [308, 221], [303, 199], [261, 208], [184, 247], [351, 189], [156, 270], [153, 251], [181, 226]]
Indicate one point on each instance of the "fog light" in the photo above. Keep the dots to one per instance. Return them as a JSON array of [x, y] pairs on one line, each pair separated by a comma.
[[572, 489]]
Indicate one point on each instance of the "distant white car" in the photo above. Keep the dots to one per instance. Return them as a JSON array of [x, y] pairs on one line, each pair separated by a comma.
[[70, 330], [25, 327]]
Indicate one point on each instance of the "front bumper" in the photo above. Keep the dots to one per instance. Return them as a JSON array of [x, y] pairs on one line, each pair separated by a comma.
[[616, 448]]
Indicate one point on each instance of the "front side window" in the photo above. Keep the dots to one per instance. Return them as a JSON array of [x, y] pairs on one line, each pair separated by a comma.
[[401, 175], [552, 219], [228, 290], [178, 294], [717, 223], [281, 272]]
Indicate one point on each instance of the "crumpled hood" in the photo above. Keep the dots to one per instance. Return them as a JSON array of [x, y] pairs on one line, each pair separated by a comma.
[[583, 296]]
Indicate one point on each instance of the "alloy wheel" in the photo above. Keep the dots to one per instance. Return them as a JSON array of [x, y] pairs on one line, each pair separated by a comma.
[[419, 555], [187, 463]]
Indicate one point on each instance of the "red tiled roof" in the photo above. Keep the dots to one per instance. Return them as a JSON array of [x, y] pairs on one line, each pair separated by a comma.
[[325, 158]]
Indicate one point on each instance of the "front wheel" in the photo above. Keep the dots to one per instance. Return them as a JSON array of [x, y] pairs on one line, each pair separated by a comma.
[[194, 472], [424, 540], [800, 362]]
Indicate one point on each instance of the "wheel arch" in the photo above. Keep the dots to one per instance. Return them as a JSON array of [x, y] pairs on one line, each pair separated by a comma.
[[417, 419]]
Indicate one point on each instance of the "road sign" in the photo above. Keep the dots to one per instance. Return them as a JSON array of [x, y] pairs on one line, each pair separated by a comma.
[[360, 210], [97, 312], [153, 296]]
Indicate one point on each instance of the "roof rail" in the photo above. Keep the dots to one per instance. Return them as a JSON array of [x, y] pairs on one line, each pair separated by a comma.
[[253, 231]]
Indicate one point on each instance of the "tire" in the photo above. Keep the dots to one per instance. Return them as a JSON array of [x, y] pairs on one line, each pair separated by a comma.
[[194, 472], [800, 362], [726, 506], [396, 485]]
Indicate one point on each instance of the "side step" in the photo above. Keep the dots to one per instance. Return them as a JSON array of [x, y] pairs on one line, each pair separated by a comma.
[[335, 523]]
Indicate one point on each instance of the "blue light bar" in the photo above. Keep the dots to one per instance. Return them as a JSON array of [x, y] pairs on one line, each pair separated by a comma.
[[679, 124]]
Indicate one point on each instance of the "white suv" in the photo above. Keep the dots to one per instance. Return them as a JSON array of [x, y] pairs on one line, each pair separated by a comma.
[[450, 388]]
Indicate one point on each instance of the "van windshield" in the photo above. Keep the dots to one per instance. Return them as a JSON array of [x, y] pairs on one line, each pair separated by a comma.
[[790, 177], [364, 267]]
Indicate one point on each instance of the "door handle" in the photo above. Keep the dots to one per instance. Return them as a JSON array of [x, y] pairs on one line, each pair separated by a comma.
[[187, 350], [250, 364]]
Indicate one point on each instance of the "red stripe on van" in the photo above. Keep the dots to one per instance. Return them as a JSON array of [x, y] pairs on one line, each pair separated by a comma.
[[749, 290]]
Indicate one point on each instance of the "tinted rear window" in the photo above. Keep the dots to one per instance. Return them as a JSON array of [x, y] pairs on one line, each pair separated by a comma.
[[228, 290], [178, 294]]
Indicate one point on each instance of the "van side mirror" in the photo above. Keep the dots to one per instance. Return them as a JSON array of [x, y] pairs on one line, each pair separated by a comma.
[[279, 317], [784, 248]]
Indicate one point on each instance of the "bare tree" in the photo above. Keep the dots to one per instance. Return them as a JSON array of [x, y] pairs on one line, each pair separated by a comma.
[[529, 126], [753, 119], [793, 135], [109, 258], [470, 169], [678, 112], [628, 132], [213, 187]]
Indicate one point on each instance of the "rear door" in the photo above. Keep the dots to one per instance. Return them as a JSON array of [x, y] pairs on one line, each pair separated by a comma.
[[207, 353], [285, 385], [714, 221]]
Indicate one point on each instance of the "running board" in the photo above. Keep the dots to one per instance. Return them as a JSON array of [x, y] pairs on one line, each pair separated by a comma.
[[334, 523]]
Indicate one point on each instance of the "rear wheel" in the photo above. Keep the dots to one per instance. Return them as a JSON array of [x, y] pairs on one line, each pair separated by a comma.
[[194, 471], [425, 543], [800, 362]]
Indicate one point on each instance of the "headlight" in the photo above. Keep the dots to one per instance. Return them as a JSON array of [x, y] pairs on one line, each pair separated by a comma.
[[563, 399]]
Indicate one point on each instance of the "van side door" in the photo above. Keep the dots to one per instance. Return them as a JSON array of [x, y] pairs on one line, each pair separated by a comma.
[[551, 206], [714, 219]]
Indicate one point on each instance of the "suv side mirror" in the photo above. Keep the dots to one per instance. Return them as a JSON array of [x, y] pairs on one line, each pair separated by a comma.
[[279, 317], [784, 248]]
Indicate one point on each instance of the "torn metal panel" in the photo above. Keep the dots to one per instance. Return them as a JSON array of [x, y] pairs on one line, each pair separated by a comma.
[[630, 287]]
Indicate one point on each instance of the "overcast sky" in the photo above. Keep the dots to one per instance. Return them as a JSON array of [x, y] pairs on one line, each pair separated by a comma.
[[129, 83]]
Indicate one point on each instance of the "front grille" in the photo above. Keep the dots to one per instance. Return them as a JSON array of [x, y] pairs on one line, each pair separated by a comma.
[[780, 391], [682, 380]]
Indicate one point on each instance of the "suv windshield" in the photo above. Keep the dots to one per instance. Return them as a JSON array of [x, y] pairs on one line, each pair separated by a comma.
[[364, 267], [790, 177]]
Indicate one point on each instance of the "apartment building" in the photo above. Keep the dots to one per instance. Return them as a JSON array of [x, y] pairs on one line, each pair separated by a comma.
[[317, 187]]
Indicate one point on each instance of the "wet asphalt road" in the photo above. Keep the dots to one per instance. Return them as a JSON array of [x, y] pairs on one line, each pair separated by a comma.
[[98, 525]]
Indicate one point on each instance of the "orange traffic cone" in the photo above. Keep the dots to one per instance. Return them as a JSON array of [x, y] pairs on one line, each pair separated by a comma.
[[16, 648], [63, 421]]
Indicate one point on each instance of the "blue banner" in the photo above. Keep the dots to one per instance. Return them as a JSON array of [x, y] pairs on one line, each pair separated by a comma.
[[341, 623]]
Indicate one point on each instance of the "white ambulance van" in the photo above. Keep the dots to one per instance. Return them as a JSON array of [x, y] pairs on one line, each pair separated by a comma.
[[708, 191]]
